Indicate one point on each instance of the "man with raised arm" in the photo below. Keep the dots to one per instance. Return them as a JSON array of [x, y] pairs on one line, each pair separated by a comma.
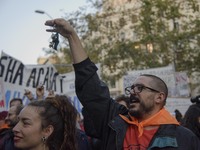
[[146, 124]]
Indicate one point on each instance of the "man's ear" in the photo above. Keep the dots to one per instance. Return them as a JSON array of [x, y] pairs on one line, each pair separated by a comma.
[[160, 97], [48, 131]]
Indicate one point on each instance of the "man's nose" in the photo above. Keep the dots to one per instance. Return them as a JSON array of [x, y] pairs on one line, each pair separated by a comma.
[[132, 92]]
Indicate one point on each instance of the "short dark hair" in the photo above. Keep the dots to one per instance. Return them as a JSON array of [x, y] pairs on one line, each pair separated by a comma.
[[16, 99], [18, 109], [158, 84]]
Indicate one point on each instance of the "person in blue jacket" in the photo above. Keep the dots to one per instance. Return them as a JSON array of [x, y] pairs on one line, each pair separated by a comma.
[[146, 124]]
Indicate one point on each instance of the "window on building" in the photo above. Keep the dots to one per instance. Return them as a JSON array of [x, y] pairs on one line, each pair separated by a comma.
[[122, 36], [109, 24], [197, 8], [122, 22], [134, 36], [150, 47], [134, 18]]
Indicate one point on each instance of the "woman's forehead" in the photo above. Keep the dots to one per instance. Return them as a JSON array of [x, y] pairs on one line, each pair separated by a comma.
[[30, 112]]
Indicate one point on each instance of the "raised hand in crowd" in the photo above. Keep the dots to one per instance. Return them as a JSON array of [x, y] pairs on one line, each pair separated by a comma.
[[28, 94], [51, 93], [65, 29], [40, 92]]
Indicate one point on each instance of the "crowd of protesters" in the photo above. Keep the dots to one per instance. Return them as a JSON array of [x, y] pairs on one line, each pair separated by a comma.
[[137, 120]]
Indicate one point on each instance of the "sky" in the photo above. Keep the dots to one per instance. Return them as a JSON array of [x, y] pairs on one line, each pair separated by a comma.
[[23, 33]]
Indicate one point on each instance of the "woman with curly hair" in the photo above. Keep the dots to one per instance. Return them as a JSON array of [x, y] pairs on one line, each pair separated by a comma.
[[49, 124]]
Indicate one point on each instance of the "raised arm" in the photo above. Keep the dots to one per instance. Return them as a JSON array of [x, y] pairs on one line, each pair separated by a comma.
[[66, 30], [93, 93]]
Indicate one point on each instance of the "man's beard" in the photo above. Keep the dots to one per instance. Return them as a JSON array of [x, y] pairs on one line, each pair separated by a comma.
[[143, 108], [135, 114]]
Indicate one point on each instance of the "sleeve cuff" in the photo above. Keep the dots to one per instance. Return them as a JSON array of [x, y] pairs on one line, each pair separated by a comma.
[[82, 64]]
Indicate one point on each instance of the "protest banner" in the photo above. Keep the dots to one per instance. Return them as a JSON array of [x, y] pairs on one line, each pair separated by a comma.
[[15, 77], [2, 97], [177, 83]]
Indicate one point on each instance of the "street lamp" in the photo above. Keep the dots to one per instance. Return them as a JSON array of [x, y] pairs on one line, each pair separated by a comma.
[[43, 12]]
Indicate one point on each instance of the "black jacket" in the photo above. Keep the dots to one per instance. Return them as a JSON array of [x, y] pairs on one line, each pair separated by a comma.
[[82, 140], [110, 128], [6, 140]]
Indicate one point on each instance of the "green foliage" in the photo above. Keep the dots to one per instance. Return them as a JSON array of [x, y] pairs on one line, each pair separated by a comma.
[[159, 23], [166, 25]]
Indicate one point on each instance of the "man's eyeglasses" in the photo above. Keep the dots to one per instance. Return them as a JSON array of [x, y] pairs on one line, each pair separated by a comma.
[[138, 89]]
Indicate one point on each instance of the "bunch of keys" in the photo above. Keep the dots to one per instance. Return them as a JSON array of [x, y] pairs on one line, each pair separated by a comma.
[[55, 41]]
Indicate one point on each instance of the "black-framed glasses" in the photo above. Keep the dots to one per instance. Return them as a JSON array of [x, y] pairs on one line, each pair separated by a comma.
[[138, 88]]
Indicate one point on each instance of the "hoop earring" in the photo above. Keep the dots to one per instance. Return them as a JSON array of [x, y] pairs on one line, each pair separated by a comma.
[[44, 139]]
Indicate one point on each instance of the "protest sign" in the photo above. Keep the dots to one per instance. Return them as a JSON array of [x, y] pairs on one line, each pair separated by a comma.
[[177, 83], [15, 77]]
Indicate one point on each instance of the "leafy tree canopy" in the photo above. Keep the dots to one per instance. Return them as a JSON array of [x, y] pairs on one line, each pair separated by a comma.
[[166, 32]]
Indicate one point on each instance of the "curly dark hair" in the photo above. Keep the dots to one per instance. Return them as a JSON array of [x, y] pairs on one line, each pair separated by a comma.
[[61, 114]]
